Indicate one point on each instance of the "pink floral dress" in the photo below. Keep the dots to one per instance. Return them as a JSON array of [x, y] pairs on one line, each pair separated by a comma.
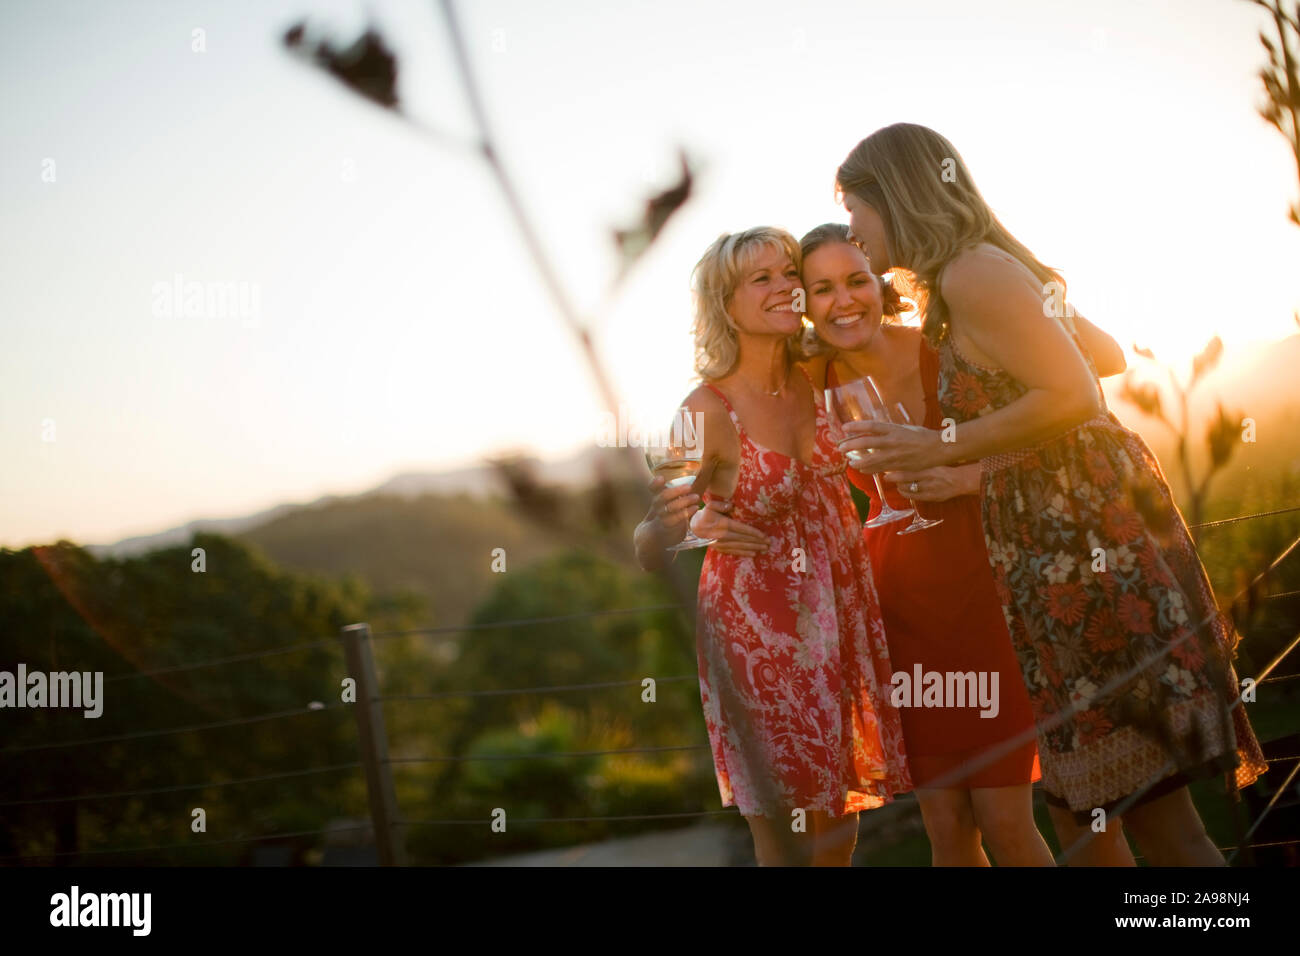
[[794, 668]]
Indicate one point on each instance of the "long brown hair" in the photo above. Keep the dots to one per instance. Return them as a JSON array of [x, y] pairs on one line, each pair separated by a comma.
[[932, 211]]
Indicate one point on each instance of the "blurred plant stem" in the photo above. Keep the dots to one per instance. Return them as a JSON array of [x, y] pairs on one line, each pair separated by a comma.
[[370, 69], [683, 588], [1220, 437], [1281, 83]]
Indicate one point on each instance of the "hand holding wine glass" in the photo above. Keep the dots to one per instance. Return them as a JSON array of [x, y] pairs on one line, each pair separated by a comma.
[[672, 508], [679, 461], [860, 401], [918, 523]]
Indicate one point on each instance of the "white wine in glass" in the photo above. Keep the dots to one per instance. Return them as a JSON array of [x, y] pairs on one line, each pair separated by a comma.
[[677, 471], [679, 462], [857, 401]]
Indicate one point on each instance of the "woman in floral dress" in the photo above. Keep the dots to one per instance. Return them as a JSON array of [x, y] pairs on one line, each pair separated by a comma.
[[794, 668], [1125, 654]]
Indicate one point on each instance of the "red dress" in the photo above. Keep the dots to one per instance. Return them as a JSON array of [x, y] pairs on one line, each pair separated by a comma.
[[794, 669], [942, 614]]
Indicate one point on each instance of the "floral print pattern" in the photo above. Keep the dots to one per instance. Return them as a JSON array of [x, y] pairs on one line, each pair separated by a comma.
[[1124, 651], [794, 668]]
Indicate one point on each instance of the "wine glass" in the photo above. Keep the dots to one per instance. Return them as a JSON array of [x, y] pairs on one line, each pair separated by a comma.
[[858, 401], [678, 457], [918, 523]]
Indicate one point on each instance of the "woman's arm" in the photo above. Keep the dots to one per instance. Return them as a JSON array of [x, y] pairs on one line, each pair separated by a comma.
[[664, 523], [670, 511], [1106, 352], [1002, 314]]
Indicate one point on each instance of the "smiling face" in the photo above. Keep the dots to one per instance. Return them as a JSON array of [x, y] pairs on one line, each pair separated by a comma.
[[866, 226], [844, 296], [761, 303]]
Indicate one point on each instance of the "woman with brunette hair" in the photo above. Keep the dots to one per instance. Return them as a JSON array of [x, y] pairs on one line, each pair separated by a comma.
[[794, 669], [1124, 652], [972, 771]]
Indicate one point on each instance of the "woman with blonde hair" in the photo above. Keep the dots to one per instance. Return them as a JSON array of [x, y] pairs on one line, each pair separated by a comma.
[[794, 669], [1125, 654], [972, 769]]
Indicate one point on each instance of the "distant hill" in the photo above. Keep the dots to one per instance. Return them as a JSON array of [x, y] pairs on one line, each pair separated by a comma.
[[478, 482], [483, 481], [428, 533], [438, 546], [433, 532]]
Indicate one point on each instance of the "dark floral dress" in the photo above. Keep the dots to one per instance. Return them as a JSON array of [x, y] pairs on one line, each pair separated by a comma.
[[1124, 651]]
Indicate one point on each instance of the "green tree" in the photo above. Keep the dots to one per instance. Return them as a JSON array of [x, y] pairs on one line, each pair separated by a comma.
[[584, 647], [61, 609]]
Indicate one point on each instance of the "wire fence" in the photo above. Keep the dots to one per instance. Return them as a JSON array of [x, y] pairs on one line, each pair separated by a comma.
[[377, 699], [1258, 514]]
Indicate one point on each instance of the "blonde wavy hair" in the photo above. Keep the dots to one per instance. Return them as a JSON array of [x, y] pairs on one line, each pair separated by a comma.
[[932, 211], [714, 279]]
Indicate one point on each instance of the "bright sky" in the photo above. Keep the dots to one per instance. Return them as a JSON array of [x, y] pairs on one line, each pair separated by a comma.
[[401, 326]]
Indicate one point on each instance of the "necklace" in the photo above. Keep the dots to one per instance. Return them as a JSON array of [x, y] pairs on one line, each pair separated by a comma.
[[784, 380]]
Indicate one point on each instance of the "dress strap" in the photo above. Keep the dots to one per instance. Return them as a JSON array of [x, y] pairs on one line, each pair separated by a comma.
[[735, 420]]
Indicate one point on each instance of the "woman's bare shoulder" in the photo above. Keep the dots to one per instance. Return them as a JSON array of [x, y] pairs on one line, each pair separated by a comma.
[[983, 274], [704, 399]]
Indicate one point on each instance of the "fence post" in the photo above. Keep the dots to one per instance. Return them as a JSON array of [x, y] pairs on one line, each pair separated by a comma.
[[390, 839]]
